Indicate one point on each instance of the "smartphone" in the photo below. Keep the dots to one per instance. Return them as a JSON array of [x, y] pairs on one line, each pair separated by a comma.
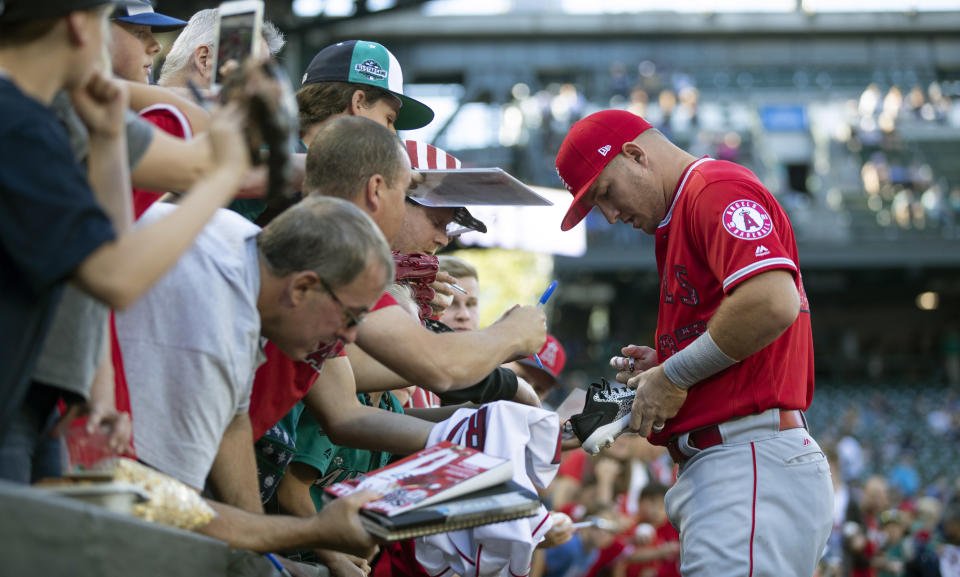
[[239, 25]]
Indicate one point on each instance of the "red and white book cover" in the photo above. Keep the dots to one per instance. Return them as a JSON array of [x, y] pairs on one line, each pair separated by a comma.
[[434, 474]]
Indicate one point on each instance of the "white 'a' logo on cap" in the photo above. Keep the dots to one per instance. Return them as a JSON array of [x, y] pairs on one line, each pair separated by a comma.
[[549, 353], [603, 150]]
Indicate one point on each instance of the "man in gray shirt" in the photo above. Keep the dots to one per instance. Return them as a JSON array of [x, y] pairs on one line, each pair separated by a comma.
[[192, 344]]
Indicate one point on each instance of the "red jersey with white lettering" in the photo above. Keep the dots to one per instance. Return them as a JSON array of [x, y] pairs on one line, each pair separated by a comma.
[[723, 228], [281, 382]]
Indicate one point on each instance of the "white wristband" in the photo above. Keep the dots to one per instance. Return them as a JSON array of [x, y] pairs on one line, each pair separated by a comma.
[[701, 359]]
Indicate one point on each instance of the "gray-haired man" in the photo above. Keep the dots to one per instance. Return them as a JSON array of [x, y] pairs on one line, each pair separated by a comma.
[[191, 56], [192, 344]]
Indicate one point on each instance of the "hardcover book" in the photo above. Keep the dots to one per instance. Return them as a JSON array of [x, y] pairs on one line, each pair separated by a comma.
[[444, 487]]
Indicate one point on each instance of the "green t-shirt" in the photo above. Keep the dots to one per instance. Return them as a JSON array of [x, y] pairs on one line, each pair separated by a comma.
[[336, 463], [248, 208]]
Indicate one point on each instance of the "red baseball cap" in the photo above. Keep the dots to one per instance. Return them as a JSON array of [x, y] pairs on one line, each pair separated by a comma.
[[551, 355], [589, 146]]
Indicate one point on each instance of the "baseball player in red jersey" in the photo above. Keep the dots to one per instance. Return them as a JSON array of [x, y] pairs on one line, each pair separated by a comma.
[[732, 370]]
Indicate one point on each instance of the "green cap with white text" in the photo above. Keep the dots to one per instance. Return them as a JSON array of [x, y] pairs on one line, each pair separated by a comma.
[[364, 62]]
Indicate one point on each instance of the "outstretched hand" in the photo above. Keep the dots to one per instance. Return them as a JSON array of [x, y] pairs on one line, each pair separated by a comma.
[[343, 513], [529, 322], [442, 293], [560, 532], [635, 360], [112, 427]]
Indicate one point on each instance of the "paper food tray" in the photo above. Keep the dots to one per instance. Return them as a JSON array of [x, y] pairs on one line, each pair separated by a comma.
[[116, 497]]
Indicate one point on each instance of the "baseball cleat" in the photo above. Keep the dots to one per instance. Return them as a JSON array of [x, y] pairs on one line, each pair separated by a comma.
[[605, 416]]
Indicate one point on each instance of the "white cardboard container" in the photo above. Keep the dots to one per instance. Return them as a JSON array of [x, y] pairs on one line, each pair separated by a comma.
[[116, 497]]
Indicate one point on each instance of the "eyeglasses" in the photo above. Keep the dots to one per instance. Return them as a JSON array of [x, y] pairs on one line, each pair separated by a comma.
[[353, 319]]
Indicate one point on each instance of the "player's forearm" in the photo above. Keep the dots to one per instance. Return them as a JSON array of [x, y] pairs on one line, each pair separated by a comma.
[[173, 164], [756, 314], [109, 176], [120, 272], [146, 95], [233, 476]]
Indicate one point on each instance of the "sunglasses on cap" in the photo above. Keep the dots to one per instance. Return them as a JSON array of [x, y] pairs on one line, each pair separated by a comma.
[[463, 221]]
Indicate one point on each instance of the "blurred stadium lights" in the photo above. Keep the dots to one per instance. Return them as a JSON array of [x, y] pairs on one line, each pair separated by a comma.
[[625, 6], [531, 228], [307, 8], [928, 301], [344, 9], [464, 7], [471, 7], [338, 8], [879, 5], [378, 5]]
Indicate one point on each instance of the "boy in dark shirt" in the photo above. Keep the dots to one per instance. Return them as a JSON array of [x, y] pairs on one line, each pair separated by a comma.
[[50, 221], [59, 222]]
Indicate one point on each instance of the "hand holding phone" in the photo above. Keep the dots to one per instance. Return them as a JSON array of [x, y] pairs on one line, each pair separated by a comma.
[[239, 36]]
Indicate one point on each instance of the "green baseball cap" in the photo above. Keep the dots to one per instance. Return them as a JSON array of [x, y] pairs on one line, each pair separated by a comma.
[[364, 62]]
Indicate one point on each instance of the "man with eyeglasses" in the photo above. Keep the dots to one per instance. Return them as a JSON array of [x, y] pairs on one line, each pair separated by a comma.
[[195, 341]]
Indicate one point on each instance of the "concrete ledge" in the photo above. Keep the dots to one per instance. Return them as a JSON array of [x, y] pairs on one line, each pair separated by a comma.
[[44, 534]]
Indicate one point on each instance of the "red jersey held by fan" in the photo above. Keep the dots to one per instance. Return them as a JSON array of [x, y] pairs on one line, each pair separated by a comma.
[[723, 228]]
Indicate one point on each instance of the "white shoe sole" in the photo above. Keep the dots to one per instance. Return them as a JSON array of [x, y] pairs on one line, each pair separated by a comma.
[[604, 436]]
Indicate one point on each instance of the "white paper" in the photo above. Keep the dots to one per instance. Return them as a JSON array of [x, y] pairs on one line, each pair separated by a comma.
[[474, 187]]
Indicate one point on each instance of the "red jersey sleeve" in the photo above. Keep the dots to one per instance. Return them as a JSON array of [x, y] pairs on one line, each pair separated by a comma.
[[737, 226], [168, 119]]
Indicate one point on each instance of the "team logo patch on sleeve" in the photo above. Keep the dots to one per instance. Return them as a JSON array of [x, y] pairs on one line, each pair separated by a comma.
[[747, 220]]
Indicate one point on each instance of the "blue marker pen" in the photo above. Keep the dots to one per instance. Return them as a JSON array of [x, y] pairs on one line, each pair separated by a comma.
[[543, 300], [277, 565]]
